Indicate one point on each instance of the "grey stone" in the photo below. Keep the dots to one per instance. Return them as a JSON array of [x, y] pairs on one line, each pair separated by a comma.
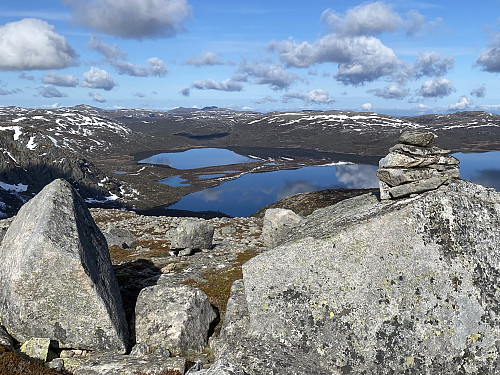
[[384, 190], [37, 348], [120, 237], [417, 150], [113, 364], [277, 223], [228, 229], [417, 187], [56, 364], [139, 350], [417, 138], [397, 160], [4, 225], [186, 252], [56, 276], [399, 176], [404, 286], [195, 234], [175, 317], [6, 339]]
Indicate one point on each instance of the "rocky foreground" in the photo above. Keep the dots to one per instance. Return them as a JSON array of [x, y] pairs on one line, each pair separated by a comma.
[[407, 284]]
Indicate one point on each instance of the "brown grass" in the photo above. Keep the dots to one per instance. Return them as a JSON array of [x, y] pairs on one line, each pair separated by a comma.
[[12, 363]]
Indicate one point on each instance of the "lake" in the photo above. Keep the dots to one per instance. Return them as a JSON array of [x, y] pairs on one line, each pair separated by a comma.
[[247, 194]]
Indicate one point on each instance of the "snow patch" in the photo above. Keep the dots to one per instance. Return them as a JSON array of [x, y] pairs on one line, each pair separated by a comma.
[[31, 143], [19, 188]]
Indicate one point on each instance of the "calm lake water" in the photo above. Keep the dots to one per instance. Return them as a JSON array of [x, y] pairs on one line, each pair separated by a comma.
[[197, 158], [249, 193]]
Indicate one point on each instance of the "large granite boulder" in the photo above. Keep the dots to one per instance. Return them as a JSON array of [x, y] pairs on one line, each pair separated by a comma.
[[173, 317], [194, 234], [56, 277], [370, 287], [277, 223]]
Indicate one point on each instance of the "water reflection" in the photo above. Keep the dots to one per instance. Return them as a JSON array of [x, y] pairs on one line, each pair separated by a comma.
[[249, 193], [197, 158], [481, 168], [174, 181]]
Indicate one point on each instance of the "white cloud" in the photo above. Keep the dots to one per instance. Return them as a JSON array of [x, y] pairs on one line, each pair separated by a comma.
[[211, 84], [430, 64], [265, 100], [366, 106], [97, 97], [117, 58], [23, 75], [206, 59], [316, 96], [9, 92], [360, 59], [391, 91], [50, 92], [480, 92], [32, 44], [436, 88], [139, 94], [463, 103], [57, 79], [98, 79], [272, 75], [367, 19], [416, 26], [134, 19], [489, 59]]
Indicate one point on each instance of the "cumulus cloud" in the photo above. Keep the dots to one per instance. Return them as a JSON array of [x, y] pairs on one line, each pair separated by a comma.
[[206, 59], [431, 64], [316, 96], [32, 44], [391, 91], [463, 103], [360, 59], [133, 19], [272, 75], [117, 58], [57, 79], [416, 26], [367, 19], [186, 91], [436, 88], [366, 106], [225, 85], [480, 92], [489, 59], [97, 97], [50, 92], [265, 100], [98, 79]]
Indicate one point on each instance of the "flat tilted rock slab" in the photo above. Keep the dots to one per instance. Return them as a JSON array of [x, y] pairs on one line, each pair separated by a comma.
[[56, 277], [407, 286]]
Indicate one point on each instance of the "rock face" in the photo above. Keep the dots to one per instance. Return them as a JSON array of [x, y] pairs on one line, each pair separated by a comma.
[[277, 223], [391, 287], [193, 234], [56, 277], [120, 237], [172, 317], [415, 165]]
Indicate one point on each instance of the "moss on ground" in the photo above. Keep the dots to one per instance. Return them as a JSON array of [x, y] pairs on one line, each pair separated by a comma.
[[12, 363]]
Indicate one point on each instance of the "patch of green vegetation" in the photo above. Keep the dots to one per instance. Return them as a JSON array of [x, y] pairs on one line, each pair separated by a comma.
[[12, 363], [217, 283]]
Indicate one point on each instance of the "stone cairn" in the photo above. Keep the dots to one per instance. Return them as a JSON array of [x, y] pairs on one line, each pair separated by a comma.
[[414, 166]]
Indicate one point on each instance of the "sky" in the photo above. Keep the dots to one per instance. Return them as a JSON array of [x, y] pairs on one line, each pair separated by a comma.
[[400, 57]]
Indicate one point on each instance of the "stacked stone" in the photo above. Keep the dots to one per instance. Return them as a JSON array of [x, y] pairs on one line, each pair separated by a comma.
[[415, 165]]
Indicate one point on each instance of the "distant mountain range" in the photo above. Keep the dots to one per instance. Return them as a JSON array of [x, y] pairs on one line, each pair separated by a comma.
[[87, 145]]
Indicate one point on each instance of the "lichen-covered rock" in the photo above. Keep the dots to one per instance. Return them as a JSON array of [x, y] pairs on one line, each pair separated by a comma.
[[407, 286], [56, 277], [37, 348], [174, 317], [121, 237], [417, 138], [113, 364], [195, 234], [277, 223]]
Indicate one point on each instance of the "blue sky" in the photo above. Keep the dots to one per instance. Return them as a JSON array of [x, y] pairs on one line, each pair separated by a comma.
[[396, 57]]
